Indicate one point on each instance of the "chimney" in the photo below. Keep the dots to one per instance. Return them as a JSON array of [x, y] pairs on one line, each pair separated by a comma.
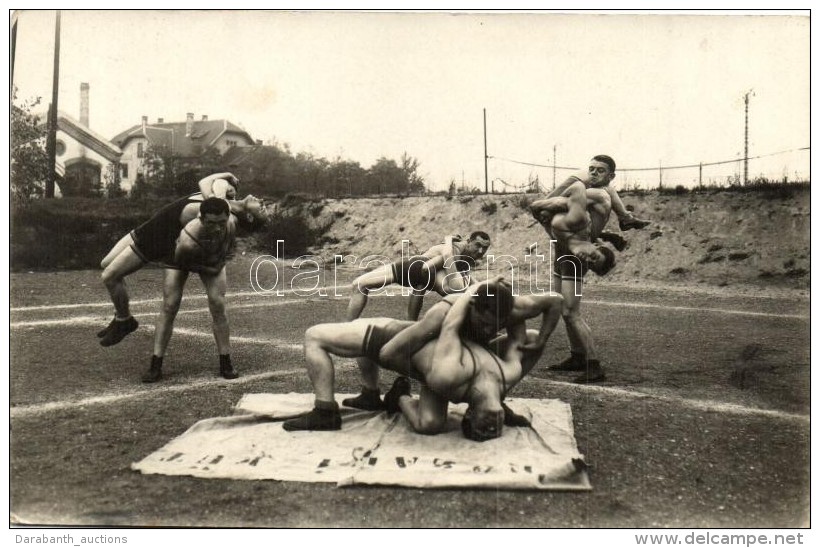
[[84, 104], [144, 122], [204, 117], [160, 120], [189, 124]]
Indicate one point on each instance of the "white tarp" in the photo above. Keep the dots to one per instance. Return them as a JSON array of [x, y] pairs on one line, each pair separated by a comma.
[[373, 448]]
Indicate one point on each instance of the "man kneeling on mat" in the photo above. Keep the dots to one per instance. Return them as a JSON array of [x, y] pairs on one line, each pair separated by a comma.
[[450, 368]]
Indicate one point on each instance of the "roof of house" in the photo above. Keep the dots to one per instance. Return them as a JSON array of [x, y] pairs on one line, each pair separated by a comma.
[[204, 133], [84, 135]]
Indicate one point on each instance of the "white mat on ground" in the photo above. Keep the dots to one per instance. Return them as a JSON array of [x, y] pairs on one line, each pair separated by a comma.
[[375, 449]]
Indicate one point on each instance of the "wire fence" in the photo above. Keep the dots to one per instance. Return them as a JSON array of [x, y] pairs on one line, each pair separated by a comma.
[[785, 166]]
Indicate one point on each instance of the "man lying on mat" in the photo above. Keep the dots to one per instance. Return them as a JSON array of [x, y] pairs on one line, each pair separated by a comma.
[[451, 368]]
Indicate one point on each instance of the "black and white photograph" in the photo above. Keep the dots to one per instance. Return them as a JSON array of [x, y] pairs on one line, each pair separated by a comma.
[[410, 269]]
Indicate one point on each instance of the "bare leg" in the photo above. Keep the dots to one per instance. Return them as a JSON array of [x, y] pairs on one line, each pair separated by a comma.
[[173, 284], [370, 374], [215, 287], [427, 414], [361, 287], [113, 277], [123, 243], [414, 305], [578, 332]]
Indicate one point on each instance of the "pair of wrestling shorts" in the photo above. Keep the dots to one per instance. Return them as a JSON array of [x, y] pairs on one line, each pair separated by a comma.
[[570, 267], [409, 273]]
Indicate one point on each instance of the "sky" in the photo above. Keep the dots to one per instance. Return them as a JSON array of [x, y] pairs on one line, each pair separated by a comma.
[[648, 89]]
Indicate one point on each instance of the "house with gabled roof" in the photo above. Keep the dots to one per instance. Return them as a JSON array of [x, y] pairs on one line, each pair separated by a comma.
[[83, 157], [187, 140]]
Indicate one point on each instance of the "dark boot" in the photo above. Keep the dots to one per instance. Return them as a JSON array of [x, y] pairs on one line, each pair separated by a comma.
[[106, 329], [154, 372], [369, 400], [575, 362], [324, 416], [618, 241], [628, 223], [593, 372], [118, 330], [226, 368], [401, 387]]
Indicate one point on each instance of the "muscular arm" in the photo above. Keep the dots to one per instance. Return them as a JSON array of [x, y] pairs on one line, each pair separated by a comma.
[[559, 190], [548, 306], [544, 209], [576, 217], [617, 204], [206, 185], [441, 258], [447, 356], [402, 347]]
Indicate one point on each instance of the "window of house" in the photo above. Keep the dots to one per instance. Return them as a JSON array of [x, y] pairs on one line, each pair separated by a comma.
[[60, 148], [140, 151], [124, 171], [230, 143]]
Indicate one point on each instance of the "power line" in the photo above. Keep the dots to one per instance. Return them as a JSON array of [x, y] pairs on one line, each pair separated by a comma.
[[665, 168]]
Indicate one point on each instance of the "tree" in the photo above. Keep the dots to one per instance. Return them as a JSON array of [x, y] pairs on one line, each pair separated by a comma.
[[386, 177], [346, 177], [29, 161], [410, 166], [112, 182], [159, 164]]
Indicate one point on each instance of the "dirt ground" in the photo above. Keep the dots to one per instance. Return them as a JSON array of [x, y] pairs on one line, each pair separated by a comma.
[[703, 420]]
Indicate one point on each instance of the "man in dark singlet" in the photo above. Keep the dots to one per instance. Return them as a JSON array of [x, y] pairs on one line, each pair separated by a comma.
[[188, 235], [444, 268], [451, 367]]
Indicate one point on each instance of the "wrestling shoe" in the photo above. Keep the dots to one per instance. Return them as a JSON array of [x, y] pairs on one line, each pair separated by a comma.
[[401, 387], [617, 241], [594, 373], [511, 418], [154, 372], [631, 222], [226, 369], [101, 333], [575, 362], [118, 331], [368, 400], [317, 419]]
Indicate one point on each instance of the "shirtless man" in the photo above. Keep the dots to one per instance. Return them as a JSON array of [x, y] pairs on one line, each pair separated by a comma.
[[484, 327], [451, 368], [574, 222], [188, 235], [444, 268], [600, 174]]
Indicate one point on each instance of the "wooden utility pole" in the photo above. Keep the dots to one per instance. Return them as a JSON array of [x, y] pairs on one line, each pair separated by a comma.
[[51, 140], [486, 182], [746, 138], [660, 174]]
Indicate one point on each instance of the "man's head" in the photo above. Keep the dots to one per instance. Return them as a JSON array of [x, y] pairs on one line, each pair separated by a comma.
[[477, 245], [254, 213], [598, 257], [482, 422], [490, 308], [214, 213], [601, 170]]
